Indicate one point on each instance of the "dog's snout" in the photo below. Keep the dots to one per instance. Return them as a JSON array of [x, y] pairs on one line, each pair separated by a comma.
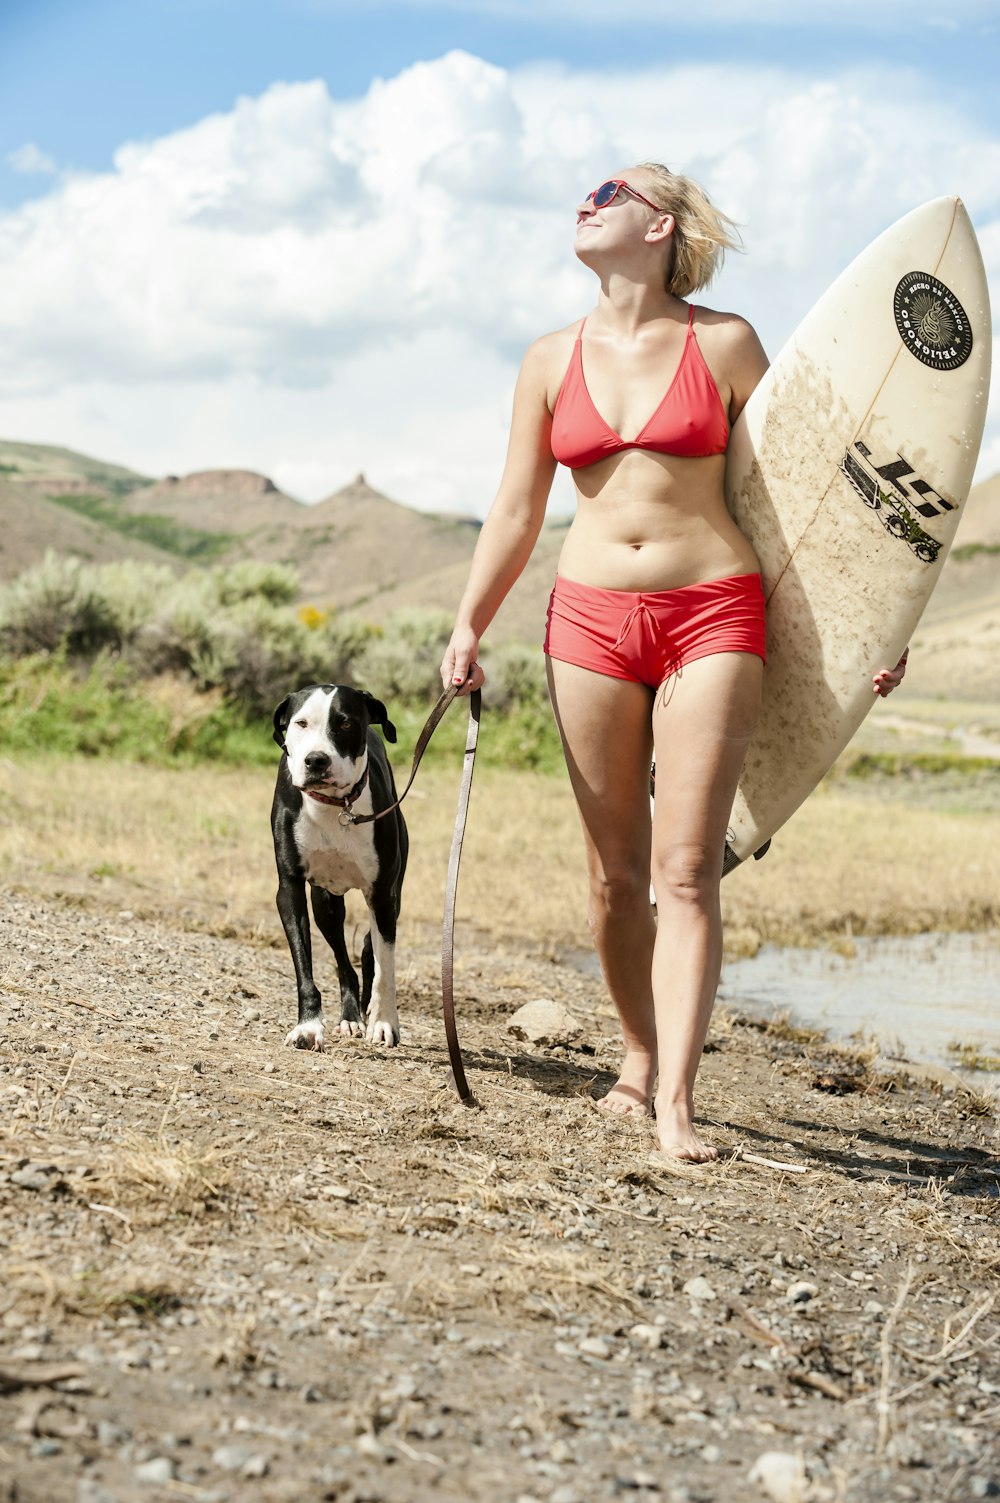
[[317, 763]]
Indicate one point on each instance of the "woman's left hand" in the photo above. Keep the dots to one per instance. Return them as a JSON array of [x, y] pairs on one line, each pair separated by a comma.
[[888, 679]]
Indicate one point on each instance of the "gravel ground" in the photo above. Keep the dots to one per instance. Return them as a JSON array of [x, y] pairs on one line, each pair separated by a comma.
[[231, 1271]]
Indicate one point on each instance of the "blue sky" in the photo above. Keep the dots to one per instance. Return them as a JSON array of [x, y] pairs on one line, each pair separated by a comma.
[[201, 252], [78, 77]]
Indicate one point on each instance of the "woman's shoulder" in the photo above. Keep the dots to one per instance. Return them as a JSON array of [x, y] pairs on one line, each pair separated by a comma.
[[551, 346], [547, 356], [729, 335], [730, 327]]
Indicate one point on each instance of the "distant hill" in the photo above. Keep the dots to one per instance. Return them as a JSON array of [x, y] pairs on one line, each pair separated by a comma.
[[360, 549], [43, 466]]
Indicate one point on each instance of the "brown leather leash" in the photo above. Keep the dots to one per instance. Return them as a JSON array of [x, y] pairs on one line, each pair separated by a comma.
[[451, 889]]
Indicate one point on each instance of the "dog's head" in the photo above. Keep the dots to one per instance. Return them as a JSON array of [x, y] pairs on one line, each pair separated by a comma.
[[324, 731]]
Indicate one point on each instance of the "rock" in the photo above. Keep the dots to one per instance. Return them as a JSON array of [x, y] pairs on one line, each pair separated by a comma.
[[780, 1476], [595, 1346], [801, 1292], [699, 1288], [646, 1335], [88, 1491], [544, 1022], [232, 1458], [158, 1471]]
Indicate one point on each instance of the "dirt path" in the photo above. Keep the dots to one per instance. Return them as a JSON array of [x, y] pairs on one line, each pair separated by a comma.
[[230, 1271]]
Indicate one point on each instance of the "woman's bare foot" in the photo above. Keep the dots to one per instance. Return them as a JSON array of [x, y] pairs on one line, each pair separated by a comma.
[[676, 1137], [631, 1094]]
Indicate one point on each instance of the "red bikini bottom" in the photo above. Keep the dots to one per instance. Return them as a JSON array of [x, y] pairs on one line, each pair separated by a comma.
[[646, 636]]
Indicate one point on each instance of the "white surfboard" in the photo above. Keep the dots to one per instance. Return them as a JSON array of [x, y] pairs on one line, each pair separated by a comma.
[[847, 471]]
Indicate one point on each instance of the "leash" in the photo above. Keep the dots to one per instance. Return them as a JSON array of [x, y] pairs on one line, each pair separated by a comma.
[[451, 891], [430, 726], [451, 887]]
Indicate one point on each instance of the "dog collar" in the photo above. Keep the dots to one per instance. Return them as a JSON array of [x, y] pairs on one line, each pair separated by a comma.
[[348, 800]]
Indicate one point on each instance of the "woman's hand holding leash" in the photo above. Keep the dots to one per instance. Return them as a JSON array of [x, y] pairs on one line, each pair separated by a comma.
[[459, 666]]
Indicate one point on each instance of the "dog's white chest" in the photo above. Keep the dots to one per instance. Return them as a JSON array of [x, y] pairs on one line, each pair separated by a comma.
[[335, 856]]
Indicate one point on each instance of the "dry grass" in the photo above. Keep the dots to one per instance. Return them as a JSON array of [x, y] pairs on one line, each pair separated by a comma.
[[194, 846]]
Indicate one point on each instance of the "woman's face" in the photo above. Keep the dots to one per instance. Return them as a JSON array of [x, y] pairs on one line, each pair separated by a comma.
[[622, 224]]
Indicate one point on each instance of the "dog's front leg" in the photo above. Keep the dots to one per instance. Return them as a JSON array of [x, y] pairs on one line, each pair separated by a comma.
[[383, 1019], [294, 915], [328, 911]]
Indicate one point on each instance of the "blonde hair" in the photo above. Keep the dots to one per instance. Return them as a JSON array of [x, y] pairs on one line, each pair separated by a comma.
[[702, 233]]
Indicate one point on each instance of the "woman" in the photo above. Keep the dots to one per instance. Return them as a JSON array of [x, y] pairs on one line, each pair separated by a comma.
[[655, 639]]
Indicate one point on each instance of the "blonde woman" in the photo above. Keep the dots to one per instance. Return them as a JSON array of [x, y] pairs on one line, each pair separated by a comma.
[[655, 637]]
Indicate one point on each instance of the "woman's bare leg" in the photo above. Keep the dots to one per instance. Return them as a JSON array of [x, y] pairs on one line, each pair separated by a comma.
[[702, 721], [605, 724]]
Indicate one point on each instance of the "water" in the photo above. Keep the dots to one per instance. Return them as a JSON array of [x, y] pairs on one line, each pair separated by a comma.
[[915, 995]]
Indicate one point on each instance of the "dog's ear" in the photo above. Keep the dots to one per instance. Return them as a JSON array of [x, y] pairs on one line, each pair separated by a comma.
[[379, 715], [282, 716]]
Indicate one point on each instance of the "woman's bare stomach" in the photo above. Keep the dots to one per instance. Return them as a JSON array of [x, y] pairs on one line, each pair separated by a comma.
[[599, 552], [653, 522]]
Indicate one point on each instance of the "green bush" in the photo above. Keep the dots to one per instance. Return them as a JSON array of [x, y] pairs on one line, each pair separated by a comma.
[[276, 583], [88, 654], [58, 603], [403, 661]]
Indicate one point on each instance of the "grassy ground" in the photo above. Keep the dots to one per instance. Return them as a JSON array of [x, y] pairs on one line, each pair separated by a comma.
[[862, 856]]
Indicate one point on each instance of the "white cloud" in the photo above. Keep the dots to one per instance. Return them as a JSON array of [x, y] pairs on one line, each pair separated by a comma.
[[315, 286], [30, 158]]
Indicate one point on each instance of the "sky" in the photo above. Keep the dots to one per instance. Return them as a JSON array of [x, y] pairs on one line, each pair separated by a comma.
[[313, 238]]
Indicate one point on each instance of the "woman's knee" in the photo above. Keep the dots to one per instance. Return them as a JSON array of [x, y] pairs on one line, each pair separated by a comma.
[[617, 889], [687, 873]]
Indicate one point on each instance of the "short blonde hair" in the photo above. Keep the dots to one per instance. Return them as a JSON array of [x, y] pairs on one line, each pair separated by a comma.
[[702, 233]]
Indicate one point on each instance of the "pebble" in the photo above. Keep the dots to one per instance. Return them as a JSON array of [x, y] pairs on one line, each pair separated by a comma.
[[781, 1476], [801, 1292], [159, 1470], [369, 1446], [649, 1336], [595, 1346], [89, 1491], [699, 1288], [232, 1458]]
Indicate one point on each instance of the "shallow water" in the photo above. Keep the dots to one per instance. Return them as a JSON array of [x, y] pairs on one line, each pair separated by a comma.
[[914, 995]]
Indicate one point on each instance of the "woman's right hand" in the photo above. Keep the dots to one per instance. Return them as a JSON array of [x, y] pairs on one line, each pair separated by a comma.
[[459, 664]]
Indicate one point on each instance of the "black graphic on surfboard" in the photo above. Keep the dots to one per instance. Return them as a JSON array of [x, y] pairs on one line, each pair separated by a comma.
[[932, 322], [904, 495]]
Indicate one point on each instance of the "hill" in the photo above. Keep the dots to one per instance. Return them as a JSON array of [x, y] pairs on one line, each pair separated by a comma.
[[360, 549], [32, 524]]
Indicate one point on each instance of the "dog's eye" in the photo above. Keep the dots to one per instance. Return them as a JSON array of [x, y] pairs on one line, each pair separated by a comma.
[[304, 724]]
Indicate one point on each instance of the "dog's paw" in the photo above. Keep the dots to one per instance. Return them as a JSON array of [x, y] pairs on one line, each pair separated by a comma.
[[384, 1031], [306, 1036], [351, 1028]]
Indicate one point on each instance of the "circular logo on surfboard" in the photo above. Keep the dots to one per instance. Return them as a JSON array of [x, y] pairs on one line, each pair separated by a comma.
[[932, 322]]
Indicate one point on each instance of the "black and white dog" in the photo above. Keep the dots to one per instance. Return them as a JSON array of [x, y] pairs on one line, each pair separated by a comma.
[[334, 765]]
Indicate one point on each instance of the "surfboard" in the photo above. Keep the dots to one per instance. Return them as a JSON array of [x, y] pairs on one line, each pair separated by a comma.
[[847, 471]]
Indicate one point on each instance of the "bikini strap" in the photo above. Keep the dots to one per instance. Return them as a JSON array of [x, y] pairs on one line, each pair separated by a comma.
[[691, 317]]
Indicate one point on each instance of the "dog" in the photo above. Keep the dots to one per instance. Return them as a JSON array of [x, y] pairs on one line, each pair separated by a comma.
[[334, 766]]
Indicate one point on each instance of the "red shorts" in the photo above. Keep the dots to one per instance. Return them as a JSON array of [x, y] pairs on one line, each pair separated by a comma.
[[646, 636]]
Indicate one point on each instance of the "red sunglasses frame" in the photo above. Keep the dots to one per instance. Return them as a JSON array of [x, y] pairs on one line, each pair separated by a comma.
[[618, 183]]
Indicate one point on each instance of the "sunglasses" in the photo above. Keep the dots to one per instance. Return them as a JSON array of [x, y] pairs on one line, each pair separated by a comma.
[[609, 191]]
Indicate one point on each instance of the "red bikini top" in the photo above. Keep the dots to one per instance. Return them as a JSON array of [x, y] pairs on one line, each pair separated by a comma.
[[690, 422]]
